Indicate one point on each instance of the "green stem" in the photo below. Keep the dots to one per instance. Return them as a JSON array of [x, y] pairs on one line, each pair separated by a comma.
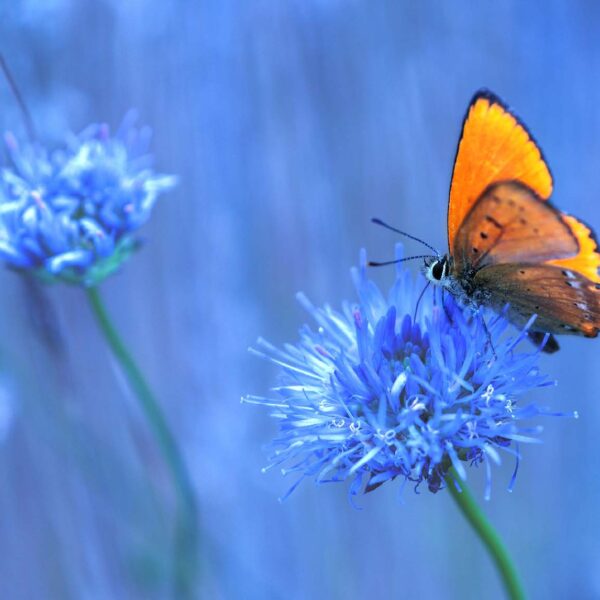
[[185, 536], [487, 534]]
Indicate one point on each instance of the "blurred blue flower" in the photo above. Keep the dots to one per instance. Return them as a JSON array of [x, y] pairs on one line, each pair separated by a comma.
[[70, 214], [372, 395]]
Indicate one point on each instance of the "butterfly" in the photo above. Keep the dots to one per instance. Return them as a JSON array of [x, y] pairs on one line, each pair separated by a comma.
[[508, 245]]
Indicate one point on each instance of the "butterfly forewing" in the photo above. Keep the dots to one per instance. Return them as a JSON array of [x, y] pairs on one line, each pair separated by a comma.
[[494, 146], [510, 224], [563, 300]]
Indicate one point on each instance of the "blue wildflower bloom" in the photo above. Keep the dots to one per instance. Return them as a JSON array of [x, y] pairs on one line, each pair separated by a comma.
[[70, 214], [371, 395]]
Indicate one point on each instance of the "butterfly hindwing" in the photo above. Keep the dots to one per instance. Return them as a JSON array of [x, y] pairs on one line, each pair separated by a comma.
[[587, 260], [563, 300], [494, 146], [510, 224], [550, 345]]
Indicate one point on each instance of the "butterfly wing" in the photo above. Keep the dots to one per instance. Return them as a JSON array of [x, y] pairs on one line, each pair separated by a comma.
[[508, 245], [510, 224], [587, 260], [514, 248], [494, 146], [564, 300]]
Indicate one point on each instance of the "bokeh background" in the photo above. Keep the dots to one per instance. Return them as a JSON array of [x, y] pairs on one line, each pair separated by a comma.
[[290, 124]]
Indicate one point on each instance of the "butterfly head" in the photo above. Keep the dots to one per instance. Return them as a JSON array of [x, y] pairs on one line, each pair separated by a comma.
[[437, 270]]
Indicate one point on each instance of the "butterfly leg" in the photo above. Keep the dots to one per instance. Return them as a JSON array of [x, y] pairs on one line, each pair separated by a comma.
[[448, 315], [419, 301], [488, 335]]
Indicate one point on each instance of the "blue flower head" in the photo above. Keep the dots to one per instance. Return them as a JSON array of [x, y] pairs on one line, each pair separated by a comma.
[[372, 395], [71, 214]]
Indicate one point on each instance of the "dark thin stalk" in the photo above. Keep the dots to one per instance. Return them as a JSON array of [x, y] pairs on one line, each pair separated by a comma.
[[14, 88]]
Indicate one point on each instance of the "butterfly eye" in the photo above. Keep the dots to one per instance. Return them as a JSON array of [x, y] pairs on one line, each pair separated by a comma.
[[437, 270]]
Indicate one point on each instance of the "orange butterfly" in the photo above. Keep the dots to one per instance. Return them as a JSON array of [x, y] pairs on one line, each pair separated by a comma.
[[507, 243]]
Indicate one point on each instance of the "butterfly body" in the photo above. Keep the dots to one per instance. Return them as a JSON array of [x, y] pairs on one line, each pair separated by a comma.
[[509, 246], [442, 272]]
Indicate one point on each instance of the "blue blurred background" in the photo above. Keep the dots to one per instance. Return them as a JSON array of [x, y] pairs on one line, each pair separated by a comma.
[[290, 124]]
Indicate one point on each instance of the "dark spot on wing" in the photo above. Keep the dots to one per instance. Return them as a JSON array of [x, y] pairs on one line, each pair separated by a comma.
[[493, 221], [523, 221], [475, 250], [484, 235]]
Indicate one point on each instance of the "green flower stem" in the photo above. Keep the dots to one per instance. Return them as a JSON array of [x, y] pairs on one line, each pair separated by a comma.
[[185, 535], [470, 509]]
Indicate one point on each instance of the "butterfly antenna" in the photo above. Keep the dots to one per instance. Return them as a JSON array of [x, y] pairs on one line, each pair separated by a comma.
[[14, 88], [373, 263], [419, 300], [412, 237]]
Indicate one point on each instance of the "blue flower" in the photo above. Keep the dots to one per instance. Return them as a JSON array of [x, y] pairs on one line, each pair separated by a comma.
[[71, 214], [372, 395]]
